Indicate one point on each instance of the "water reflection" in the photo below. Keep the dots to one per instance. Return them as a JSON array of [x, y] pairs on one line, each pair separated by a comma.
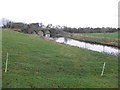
[[93, 47], [47, 35]]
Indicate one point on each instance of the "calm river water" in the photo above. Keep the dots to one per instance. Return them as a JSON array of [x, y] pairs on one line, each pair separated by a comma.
[[93, 47]]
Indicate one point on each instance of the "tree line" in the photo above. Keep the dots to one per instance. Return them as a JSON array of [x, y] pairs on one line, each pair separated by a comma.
[[32, 27], [91, 30]]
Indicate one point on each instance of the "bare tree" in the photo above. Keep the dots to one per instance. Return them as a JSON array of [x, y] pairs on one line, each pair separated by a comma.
[[4, 22]]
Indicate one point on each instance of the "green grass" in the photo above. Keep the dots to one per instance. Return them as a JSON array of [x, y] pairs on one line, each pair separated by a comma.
[[35, 62], [110, 39], [103, 35]]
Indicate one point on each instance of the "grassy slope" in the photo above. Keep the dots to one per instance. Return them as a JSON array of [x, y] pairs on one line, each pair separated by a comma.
[[35, 62]]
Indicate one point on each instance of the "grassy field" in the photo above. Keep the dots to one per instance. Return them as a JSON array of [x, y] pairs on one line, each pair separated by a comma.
[[110, 39], [35, 62], [103, 35]]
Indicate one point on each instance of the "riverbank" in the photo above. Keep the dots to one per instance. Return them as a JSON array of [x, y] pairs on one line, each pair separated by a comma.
[[35, 62], [109, 41]]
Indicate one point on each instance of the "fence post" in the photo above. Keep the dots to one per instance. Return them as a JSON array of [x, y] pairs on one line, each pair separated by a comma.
[[6, 63], [103, 69]]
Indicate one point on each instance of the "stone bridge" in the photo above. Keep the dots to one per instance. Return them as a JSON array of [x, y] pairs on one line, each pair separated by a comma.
[[34, 28], [46, 32]]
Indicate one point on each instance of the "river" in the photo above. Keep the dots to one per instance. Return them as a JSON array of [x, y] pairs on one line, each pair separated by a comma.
[[89, 46]]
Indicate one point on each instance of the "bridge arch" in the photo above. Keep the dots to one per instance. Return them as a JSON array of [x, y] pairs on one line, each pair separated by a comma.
[[40, 33], [46, 32]]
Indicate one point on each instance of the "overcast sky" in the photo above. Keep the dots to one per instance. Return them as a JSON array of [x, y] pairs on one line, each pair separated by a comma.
[[73, 13]]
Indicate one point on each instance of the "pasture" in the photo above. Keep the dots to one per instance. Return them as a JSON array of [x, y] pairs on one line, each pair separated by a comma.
[[104, 35], [110, 39], [35, 62]]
